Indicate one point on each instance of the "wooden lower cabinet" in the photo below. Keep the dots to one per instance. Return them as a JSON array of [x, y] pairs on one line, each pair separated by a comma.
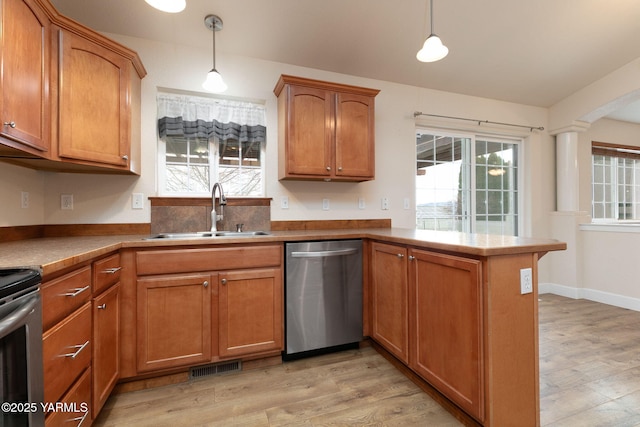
[[78, 411], [200, 305], [66, 353], [251, 312], [173, 320], [106, 345], [427, 310], [446, 306], [389, 298]]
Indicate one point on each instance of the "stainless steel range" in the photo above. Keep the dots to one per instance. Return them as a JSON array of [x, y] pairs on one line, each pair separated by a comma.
[[21, 372], [323, 296]]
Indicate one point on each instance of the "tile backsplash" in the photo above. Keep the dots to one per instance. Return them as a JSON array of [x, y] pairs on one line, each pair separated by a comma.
[[182, 215]]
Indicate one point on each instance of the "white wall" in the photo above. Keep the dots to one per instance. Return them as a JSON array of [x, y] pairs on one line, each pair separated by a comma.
[[14, 181], [184, 68], [106, 198]]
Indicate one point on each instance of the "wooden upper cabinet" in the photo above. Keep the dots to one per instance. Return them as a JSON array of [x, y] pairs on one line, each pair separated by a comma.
[[24, 78], [94, 114], [355, 136], [326, 131], [310, 132], [69, 96]]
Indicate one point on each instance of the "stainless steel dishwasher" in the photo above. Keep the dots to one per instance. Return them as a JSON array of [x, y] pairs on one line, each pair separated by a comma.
[[323, 294]]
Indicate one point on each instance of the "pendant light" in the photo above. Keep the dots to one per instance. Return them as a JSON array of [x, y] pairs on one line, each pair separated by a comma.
[[433, 50], [214, 82], [171, 6]]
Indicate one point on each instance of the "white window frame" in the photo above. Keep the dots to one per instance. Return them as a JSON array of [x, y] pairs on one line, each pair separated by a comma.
[[614, 186], [520, 174], [214, 162]]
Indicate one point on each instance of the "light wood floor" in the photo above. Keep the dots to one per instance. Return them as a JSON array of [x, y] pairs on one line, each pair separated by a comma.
[[589, 364], [589, 376]]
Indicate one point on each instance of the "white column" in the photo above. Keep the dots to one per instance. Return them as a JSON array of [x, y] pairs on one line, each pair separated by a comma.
[[567, 174]]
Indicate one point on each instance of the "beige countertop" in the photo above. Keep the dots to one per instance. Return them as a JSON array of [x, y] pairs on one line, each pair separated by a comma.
[[57, 253]]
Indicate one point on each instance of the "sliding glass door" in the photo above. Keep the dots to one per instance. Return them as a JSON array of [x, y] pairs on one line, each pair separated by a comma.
[[466, 183]]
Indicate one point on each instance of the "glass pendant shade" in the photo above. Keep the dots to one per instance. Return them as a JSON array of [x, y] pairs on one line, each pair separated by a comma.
[[432, 50], [214, 82], [171, 6]]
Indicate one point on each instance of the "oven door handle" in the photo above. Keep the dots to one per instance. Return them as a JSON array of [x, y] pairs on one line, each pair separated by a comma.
[[15, 318]]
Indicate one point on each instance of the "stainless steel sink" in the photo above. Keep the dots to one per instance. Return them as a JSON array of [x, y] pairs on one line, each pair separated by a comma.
[[241, 233], [207, 234]]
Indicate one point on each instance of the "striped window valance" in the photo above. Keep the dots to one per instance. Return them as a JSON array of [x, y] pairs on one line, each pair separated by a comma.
[[192, 116]]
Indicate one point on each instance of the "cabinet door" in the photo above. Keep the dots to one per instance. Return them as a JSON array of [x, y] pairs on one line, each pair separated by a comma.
[[309, 134], [251, 313], [173, 321], [106, 344], [448, 324], [389, 292], [94, 113], [355, 136], [24, 77]]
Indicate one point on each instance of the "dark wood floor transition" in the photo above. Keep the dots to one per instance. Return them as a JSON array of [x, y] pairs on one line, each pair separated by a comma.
[[589, 376]]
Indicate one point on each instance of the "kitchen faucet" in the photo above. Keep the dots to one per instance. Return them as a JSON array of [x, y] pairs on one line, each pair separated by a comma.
[[223, 201]]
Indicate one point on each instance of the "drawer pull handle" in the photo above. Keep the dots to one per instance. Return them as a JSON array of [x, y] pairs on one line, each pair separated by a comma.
[[79, 347], [77, 291], [102, 306], [81, 419], [113, 270]]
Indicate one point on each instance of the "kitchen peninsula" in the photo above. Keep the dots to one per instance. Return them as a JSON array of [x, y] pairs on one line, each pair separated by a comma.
[[446, 306]]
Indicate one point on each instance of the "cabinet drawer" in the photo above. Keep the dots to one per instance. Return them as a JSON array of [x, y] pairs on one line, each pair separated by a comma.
[[66, 350], [77, 398], [65, 294], [106, 272], [207, 259]]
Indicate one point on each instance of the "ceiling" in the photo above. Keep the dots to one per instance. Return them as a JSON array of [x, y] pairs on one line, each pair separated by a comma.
[[527, 52]]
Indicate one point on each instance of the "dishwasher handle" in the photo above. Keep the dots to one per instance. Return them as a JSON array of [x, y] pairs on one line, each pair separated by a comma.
[[322, 254]]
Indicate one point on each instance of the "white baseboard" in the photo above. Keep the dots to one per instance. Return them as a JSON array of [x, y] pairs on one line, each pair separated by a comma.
[[616, 300]]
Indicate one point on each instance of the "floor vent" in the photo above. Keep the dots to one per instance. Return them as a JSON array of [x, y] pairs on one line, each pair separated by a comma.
[[214, 369]]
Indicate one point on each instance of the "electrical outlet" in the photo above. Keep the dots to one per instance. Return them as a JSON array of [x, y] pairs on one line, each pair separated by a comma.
[[361, 203], [137, 201], [385, 203], [24, 199], [325, 204], [284, 202], [526, 281], [66, 201]]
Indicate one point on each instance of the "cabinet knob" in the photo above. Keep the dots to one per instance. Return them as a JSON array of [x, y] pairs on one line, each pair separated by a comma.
[[400, 255], [328, 168], [411, 257], [125, 158], [205, 283], [223, 281], [11, 124], [340, 169], [102, 306]]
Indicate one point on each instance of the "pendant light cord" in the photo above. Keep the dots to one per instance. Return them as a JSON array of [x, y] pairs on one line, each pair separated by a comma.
[[213, 30], [431, 15]]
